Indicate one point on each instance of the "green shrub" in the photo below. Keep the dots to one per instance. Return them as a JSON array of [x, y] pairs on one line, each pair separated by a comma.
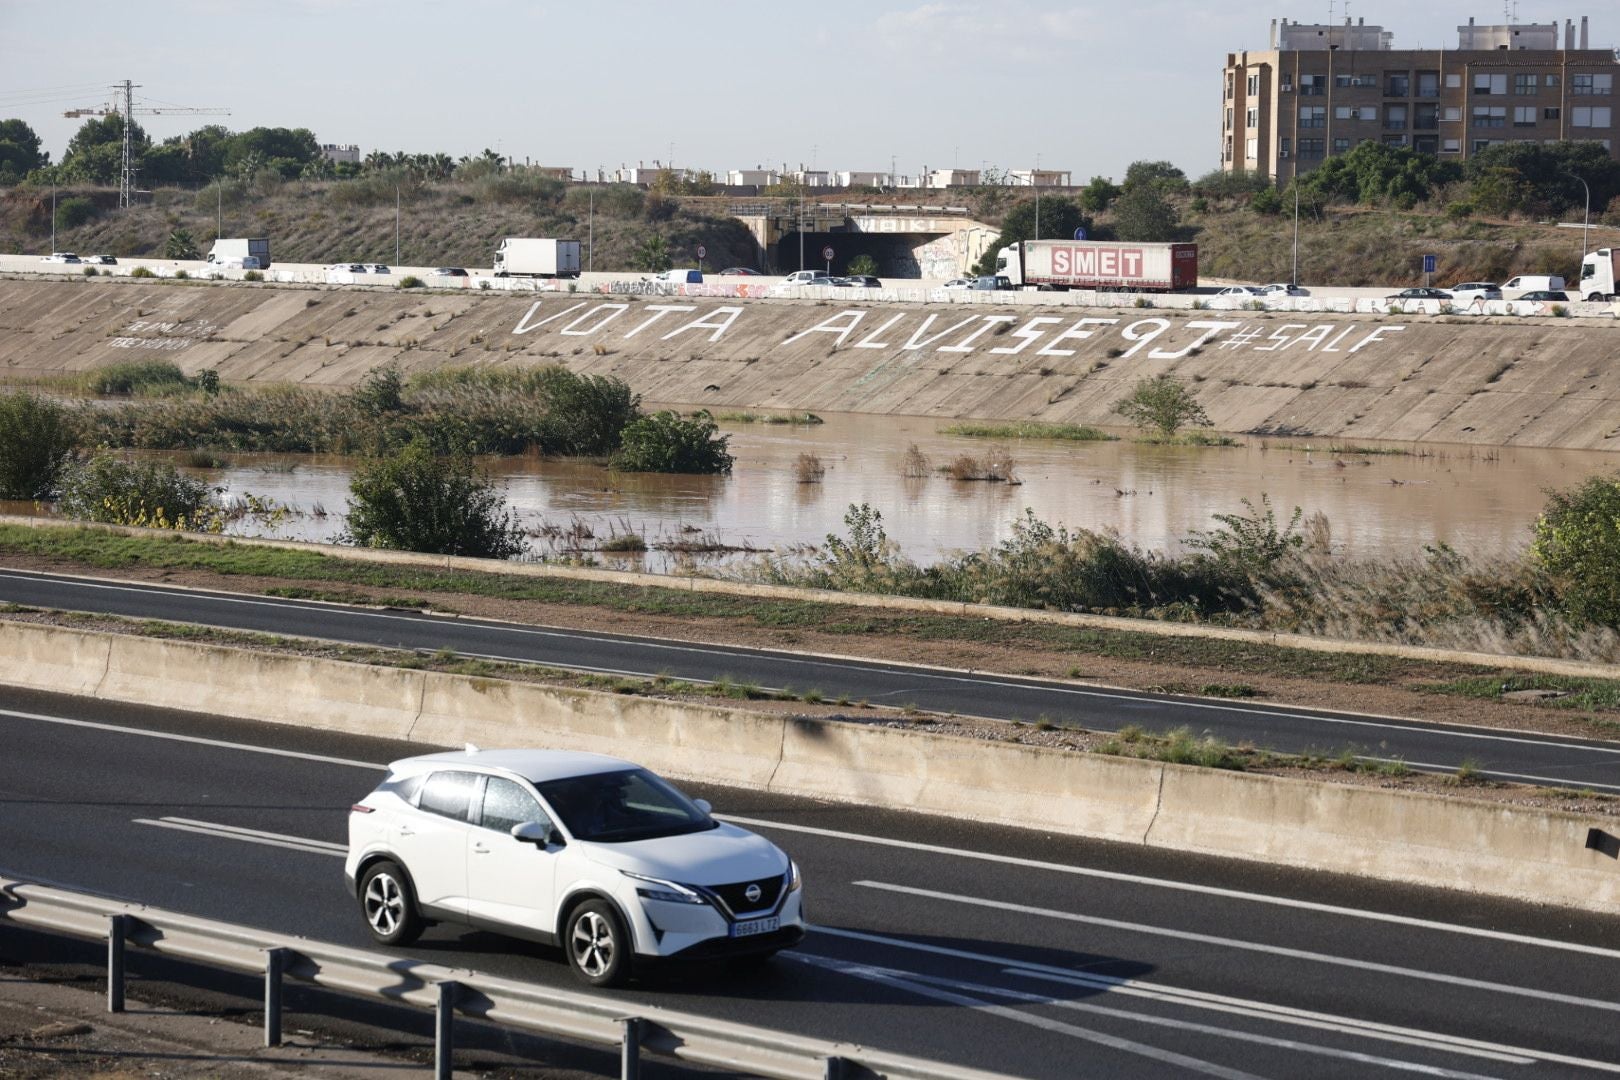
[[1577, 542], [71, 213], [142, 271], [1459, 210], [1163, 403], [253, 275], [88, 271], [181, 275], [416, 500], [410, 281], [136, 377], [1266, 201], [665, 442], [181, 245], [150, 494], [37, 437]]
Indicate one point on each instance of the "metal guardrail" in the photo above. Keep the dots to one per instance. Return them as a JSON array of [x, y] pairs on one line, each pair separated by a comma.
[[449, 991]]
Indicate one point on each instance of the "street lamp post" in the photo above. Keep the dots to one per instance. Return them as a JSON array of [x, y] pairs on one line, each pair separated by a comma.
[[53, 217], [1586, 217], [396, 224], [1295, 279]]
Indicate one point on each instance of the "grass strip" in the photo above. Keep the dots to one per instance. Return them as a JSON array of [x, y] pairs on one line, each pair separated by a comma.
[[1030, 429], [1573, 693]]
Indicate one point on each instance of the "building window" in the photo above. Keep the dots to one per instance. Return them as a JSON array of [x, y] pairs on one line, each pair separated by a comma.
[[1369, 113], [1588, 116], [1453, 80], [1312, 116], [1344, 112], [1481, 144], [1312, 84], [1552, 80], [1395, 118], [1341, 146], [1524, 116], [1284, 144], [1355, 80], [1231, 82], [1426, 117], [1310, 148], [1254, 85], [1591, 84], [1524, 85], [1451, 146], [1229, 118], [1251, 149], [1490, 84], [1426, 144], [1226, 150], [1428, 84], [1552, 113], [1490, 116], [1397, 84], [1252, 118], [1452, 113]]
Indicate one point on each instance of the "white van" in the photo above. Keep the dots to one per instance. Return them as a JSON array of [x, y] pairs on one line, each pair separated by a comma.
[[1531, 283], [682, 277]]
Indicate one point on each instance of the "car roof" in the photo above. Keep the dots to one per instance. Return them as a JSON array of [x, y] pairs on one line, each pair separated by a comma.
[[536, 766]]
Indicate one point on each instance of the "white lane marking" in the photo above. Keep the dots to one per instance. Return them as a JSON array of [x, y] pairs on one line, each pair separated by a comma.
[[194, 739], [242, 831], [224, 832], [1555, 781], [904, 981], [1248, 946], [922, 983], [872, 667], [933, 849], [1182, 886]]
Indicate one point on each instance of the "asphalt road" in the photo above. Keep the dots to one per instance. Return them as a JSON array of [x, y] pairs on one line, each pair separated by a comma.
[[1507, 755], [1001, 949]]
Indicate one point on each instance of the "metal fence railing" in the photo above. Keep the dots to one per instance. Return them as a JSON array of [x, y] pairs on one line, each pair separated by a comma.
[[572, 1015]]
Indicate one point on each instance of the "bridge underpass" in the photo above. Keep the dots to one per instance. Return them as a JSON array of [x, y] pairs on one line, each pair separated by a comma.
[[905, 241]]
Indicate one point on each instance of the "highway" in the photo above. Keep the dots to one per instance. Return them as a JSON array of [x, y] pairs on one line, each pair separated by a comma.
[[1506, 755], [1002, 949]]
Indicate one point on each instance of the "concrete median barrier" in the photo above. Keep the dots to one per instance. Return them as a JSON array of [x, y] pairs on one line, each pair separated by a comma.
[[1479, 847]]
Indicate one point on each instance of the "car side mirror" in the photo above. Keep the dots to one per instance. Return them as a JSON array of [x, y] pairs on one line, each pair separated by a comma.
[[704, 805], [538, 833]]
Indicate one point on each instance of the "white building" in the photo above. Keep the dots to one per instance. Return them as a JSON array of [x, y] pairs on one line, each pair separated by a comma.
[[336, 154]]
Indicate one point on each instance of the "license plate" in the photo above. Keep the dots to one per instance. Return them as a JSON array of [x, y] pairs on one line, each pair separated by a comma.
[[756, 926]]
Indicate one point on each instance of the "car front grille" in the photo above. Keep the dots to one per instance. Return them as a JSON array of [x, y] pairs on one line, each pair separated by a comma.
[[736, 899]]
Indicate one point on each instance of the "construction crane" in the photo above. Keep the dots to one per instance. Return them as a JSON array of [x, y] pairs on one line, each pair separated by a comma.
[[128, 109]]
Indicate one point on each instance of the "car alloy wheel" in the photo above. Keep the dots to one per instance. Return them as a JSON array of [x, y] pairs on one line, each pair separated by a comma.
[[597, 944], [389, 907]]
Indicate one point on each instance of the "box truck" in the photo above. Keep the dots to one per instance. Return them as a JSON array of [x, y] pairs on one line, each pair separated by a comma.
[[238, 251], [1097, 264], [533, 257], [1598, 273]]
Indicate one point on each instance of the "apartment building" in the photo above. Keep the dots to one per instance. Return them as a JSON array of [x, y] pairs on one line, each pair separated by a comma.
[[1320, 89]]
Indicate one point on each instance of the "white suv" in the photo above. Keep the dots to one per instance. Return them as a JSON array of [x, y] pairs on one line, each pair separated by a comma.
[[591, 853]]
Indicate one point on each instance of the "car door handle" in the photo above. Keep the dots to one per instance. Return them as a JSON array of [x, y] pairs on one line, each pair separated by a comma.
[[404, 831], [480, 849]]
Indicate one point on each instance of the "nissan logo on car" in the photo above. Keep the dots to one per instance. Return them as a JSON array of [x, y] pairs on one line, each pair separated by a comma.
[[753, 893]]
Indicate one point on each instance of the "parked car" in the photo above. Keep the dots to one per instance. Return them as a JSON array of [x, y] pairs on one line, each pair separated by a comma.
[[1554, 296], [1244, 291], [1283, 288], [592, 853], [862, 281], [807, 277], [682, 276], [449, 271], [1469, 291], [1515, 288], [348, 268], [740, 271], [991, 283], [60, 257], [958, 283], [99, 260], [375, 268], [1420, 294]]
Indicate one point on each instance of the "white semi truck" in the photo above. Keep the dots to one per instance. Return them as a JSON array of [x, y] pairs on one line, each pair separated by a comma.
[[1599, 270], [254, 254], [534, 257], [1098, 264]]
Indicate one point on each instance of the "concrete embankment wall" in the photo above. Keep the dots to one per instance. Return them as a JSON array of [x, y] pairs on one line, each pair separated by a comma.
[[1486, 848], [1526, 382]]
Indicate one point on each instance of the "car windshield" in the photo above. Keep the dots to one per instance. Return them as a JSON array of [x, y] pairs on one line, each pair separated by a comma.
[[618, 807]]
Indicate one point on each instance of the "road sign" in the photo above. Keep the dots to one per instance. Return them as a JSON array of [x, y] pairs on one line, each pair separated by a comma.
[[702, 251], [827, 253], [1080, 233], [1428, 264]]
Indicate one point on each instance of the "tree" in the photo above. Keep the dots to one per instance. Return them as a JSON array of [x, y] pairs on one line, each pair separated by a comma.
[[863, 265], [19, 152], [653, 254], [146, 494], [1374, 173], [1577, 542], [1143, 214], [287, 150], [1163, 403], [1096, 195], [1059, 217], [96, 151], [36, 442], [1162, 176], [181, 245], [416, 500], [1541, 178], [665, 442]]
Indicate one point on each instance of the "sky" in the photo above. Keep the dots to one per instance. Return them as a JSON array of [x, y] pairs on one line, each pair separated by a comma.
[[832, 84]]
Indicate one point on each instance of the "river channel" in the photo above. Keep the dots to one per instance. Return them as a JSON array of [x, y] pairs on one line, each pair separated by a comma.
[[1478, 500]]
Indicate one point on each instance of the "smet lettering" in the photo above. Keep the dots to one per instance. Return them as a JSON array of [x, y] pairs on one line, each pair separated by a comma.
[[1097, 262]]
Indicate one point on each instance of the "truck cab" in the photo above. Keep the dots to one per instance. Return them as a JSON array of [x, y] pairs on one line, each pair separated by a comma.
[[1598, 273]]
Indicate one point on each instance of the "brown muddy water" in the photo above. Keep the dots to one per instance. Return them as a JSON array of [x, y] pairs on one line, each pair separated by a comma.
[[1478, 500]]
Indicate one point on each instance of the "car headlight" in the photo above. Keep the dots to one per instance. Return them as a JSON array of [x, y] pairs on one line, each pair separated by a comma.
[[794, 881], [671, 892]]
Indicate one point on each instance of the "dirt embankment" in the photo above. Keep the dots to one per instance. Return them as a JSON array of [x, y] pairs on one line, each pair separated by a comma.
[[1549, 382]]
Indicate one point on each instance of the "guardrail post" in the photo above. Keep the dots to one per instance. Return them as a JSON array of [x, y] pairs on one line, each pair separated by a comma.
[[444, 1018], [117, 927], [275, 962], [834, 1068], [630, 1048]]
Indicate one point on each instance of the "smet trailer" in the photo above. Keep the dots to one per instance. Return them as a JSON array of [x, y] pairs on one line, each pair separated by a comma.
[[1098, 264]]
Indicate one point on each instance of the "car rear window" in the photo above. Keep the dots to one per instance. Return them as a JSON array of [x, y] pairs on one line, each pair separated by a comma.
[[448, 794]]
